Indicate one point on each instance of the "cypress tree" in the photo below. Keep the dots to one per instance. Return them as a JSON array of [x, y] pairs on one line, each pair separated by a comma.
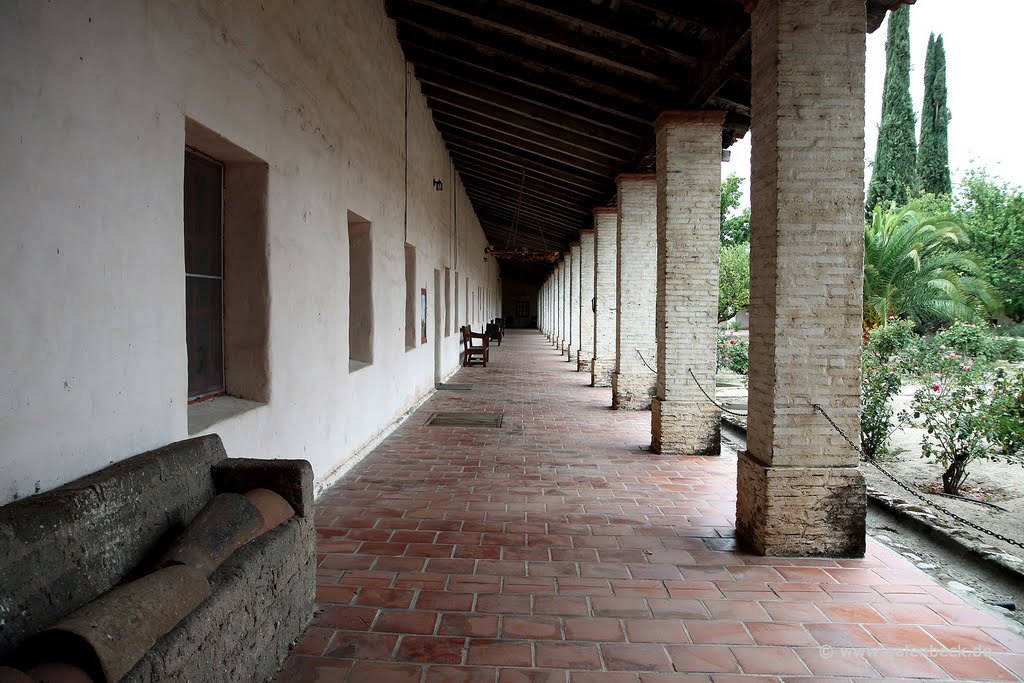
[[933, 154], [896, 156]]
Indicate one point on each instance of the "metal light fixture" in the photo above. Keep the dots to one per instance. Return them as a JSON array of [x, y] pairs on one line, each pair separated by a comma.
[[438, 184]]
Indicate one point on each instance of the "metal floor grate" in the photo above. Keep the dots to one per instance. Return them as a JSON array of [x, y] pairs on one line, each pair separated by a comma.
[[454, 387], [492, 420]]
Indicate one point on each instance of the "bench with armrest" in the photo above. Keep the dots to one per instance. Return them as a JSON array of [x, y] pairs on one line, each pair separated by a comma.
[[474, 346]]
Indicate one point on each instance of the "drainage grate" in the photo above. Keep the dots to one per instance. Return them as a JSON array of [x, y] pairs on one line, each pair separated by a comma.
[[464, 420], [454, 387]]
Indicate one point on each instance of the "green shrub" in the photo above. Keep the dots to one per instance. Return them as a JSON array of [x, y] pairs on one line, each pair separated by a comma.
[[733, 352], [880, 381], [1008, 348], [892, 337], [1005, 413], [951, 405], [1010, 330], [973, 341]]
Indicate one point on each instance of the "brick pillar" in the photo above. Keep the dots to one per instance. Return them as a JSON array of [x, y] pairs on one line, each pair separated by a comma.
[[586, 353], [559, 309], [564, 284], [633, 383], [542, 307], [689, 163], [799, 489], [541, 312], [574, 302], [605, 286]]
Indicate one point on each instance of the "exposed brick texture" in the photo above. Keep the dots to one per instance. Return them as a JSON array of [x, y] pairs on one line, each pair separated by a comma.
[[605, 285], [633, 383], [574, 301], [586, 348], [807, 240], [689, 162], [563, 315], [559, 304]]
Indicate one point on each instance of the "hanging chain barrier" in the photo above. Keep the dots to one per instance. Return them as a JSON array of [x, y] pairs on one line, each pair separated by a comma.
[[927, 501], [644, 361], [708, 396]]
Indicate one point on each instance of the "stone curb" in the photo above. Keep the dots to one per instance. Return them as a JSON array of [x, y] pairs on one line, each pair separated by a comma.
[[951, 536]]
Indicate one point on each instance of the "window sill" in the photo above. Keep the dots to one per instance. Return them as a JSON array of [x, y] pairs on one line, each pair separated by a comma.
[[205, 414], [355, 365]]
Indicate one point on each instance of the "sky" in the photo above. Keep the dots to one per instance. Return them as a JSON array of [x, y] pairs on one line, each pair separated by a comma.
[[984, 64]]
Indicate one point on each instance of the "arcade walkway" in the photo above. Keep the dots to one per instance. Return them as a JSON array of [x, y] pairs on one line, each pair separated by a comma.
[[555, 549]]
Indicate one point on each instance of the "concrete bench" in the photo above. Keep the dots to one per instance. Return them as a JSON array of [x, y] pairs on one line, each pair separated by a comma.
[[62, 549]]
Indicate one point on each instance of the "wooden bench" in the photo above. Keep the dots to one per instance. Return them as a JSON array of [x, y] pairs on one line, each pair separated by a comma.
[[495, 330], [471, 350]]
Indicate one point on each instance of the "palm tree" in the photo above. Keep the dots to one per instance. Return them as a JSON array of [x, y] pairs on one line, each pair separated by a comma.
[[918, 267]]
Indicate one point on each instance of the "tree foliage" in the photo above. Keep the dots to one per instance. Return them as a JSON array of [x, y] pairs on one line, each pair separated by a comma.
[[733, 280], [895, 157], [933, 153], [918, 267], [993, 215], [735, 228]]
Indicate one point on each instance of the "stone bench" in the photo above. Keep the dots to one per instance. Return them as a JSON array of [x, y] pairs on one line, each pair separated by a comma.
[[62, 549]]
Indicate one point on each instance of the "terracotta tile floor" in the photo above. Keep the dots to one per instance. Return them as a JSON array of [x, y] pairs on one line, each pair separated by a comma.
[[557, 549]]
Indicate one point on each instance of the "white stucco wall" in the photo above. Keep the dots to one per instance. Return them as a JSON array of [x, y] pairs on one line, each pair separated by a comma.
[[94, 97]]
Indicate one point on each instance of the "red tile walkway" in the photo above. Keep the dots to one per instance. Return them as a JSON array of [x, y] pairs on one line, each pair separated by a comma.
[[556, 549]]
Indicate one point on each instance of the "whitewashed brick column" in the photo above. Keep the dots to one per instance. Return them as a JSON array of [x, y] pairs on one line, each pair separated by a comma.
[[559, 305], [689, 163], [565, 267], [574, 302], [633, 383], [605, 288], [586, 348], [799, 489], [542, 307]]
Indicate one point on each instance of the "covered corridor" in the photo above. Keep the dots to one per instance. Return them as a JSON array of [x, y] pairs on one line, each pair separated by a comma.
[[557, 548]]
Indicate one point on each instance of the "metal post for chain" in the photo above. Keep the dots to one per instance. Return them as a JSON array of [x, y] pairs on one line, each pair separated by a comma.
[[820, 409]]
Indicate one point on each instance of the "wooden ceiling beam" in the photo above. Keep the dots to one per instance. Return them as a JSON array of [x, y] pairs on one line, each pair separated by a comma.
[[461, 151], [535, 101], [532, 189], [438, 98], [575, 79], [529, 140], [632, 58], [709, 15], [541, 163], [510, 175], [617, 26], [495, 232], [530, 203]]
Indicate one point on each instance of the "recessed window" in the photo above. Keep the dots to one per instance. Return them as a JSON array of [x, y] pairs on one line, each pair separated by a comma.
[[455, 305], [360, 292], [411, 300], [204, 275], [227, 303]]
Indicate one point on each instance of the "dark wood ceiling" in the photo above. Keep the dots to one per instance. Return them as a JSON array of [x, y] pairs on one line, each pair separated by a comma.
[[543, 102]]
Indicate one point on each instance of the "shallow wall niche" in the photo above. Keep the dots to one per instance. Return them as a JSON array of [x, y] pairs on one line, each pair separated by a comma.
[[411, 298], [245, 317], [360, 292], [448, 302]]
